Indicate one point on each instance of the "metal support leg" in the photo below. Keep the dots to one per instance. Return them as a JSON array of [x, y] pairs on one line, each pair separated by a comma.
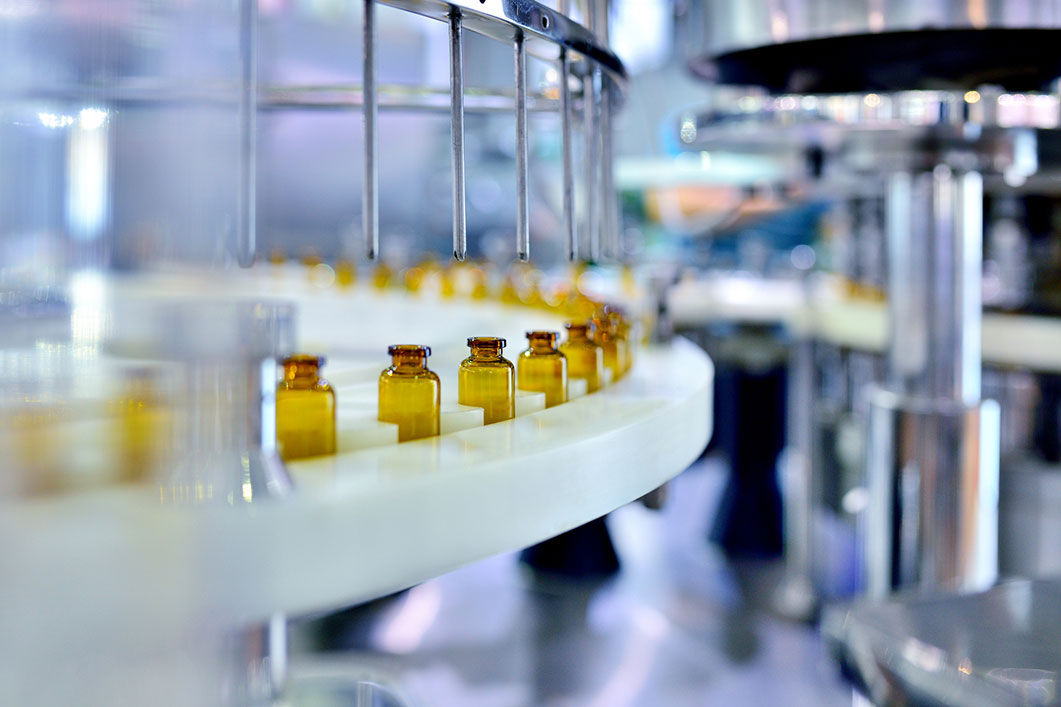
[[569, 178], [456, 96], [592, 162], [246, 215], [370, 190], [522, 201], [932, 448]]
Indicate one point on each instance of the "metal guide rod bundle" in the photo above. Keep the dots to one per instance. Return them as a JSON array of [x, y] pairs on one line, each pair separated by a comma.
[[546, 33]]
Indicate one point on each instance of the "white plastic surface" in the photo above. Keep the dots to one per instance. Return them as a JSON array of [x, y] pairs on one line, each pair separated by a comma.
[[1008, 339], [84, 568]]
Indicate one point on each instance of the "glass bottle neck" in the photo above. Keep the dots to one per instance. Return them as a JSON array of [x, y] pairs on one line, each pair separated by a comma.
[[542, 345], [578, 332], [301, 374], [486, 352], [408, 360]]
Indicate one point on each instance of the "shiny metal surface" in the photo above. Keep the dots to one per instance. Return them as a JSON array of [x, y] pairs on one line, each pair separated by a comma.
[[742, 25], [829, 45], [591, 164], [456, 97], [998, 647], [370, 115], [396, 98], [934, 232], [566, 157], [547, 32], [932, 482], [522, 197], [246, 216]]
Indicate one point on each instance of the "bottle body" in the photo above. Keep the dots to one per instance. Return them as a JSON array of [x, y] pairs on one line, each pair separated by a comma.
[[305, 410], [488, 380], [607, 338], [410, 394], [585, 359], [345, 273], [623, 353], [543, 369]]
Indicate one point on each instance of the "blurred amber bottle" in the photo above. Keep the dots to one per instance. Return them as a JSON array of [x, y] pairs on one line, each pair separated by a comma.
[[488, 380], [585, 359], [345, 273], [305, 409], [277, 256], [410, 393], [480, 284], [543, 369], [382, 276], [624, 350], [605, 336], [447, 287]]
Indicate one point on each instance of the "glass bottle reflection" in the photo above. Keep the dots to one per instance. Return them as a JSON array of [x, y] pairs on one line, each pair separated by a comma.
[[585, 359], [543, 369], [488, 380], [305, 409], [410, 393]]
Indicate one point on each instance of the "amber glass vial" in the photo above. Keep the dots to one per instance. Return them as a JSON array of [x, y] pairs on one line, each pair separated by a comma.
[[621, 329], [305, 409], [585, 359], [543, 369], [345, 273], [488, 380], [410, 394], [382, 276], [604, 335]]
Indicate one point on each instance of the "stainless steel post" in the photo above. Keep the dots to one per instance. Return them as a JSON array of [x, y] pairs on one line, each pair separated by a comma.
[[569, 177], [370, 176], [522, 204], [246, 215], [591, 160], [932, 447], [456, 97]]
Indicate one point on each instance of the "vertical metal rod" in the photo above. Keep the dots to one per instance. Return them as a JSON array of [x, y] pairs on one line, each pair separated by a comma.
[[522, 200], [589, 113], [456, 97], [246, 207], [569, 178], [609, 223], [370, 177]]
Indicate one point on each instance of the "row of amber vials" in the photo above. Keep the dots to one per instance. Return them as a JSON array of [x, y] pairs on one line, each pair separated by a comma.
[[410, 393]]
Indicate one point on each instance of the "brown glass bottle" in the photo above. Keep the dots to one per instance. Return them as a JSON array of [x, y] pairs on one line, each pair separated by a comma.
[[410, 393], [305, 409], [604, 335], [488, 380], [621, 329], [345, 273], [585, 359], [543, 369]]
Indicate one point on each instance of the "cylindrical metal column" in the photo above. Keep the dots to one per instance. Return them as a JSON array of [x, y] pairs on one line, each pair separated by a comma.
[[932, 456]]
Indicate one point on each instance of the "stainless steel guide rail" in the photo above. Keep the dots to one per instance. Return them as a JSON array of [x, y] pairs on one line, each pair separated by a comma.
[[542, 32]]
